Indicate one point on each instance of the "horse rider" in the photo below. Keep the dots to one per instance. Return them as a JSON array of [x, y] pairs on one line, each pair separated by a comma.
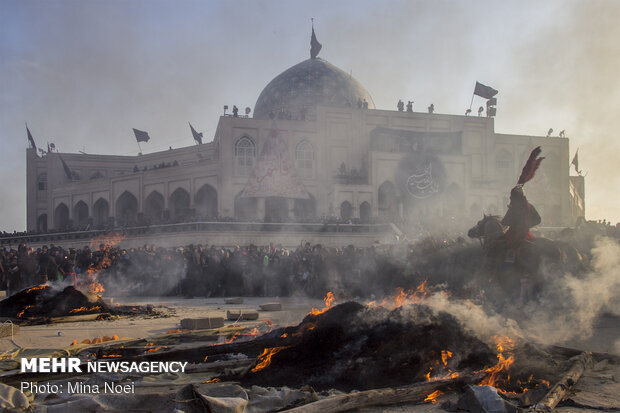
[[520, 217]]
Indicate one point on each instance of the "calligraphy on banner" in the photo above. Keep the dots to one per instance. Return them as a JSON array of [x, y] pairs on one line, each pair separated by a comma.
[[275, 174], [421, 175], [421, 184]]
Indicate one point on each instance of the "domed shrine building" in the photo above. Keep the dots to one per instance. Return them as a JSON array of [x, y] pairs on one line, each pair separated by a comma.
[[315, 147]]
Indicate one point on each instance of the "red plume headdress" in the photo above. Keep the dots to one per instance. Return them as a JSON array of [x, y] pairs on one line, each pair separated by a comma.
[[532, 164]]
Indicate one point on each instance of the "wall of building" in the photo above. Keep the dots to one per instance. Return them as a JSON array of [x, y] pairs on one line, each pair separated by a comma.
[[478, 165]]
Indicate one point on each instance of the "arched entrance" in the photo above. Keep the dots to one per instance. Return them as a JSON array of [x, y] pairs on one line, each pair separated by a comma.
[[80, 214], [388, 203], [42, 223], [206, 203], [61, 217], [101, 212], [154, 208], [365, 212], [346, 210], [179, 205], [126, 209]]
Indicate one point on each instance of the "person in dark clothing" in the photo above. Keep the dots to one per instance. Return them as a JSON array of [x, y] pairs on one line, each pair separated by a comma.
[[520, 217]]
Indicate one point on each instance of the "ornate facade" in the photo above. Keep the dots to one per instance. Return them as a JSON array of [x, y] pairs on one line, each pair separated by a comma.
[[344, 157]]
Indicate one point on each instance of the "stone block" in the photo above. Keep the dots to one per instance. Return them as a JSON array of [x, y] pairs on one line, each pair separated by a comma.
[[202, 323], [234, 300], [271, 307], [242, 315]]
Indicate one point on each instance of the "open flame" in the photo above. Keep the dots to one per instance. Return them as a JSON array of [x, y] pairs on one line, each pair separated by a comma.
[[105, 356], [235, 336], [433, 396], [402, 297], [213, 380], [21, 313], [81, 309], [329, 301], [38, 287], [108, 240], [496, 375], [264, 359], [443, 366], [153, 349]]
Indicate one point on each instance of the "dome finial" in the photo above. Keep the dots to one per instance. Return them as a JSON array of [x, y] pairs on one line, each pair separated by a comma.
[[315, 46]]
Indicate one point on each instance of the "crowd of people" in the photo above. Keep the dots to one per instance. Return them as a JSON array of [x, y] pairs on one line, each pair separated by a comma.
[[269, 270], [144, 222], [206, 270]]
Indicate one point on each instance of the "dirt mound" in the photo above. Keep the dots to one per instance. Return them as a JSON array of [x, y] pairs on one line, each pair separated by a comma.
[[353, 346], [45, 301]]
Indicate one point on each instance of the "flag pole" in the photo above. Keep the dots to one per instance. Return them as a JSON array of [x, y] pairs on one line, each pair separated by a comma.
[[472, 100], [139, 147]]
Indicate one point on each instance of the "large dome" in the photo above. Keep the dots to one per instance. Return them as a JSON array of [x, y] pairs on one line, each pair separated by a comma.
[[294, 93]]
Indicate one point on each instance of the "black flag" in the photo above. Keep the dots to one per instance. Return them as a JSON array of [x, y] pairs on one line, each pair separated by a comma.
[[30, 139], [66, 168], [197, 136], [575, 162], [315, 46], [141, 136], [486, 92]]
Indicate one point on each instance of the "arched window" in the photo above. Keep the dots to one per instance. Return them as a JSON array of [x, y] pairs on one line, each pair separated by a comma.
[[245, 153], [42, 182], [304, 155], [346, 210]]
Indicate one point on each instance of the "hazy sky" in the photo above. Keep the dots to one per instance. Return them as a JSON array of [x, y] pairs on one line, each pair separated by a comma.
[[83, 73]]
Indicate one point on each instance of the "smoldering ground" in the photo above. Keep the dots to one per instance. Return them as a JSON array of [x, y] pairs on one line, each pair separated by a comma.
[[565, 307]]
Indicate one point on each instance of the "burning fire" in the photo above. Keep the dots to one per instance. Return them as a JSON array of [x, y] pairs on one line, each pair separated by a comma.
[[108, 240], [21, 313], [38, 287], [151, 350], [497, 372], [105, 356], [78, 310], [264, 359], [329, 301], [402, 297], [95, 288], [213, 380], [433, 396], [445, 356], [233, 337]]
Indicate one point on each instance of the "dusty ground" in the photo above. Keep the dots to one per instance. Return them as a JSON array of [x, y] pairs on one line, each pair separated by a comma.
[[599, 387], [47, 336]]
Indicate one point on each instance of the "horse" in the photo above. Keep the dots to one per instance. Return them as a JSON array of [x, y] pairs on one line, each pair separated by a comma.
[[521, 268]]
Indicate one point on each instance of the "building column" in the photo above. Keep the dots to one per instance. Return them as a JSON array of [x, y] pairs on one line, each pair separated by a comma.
[[260, 208], [291, 208]]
